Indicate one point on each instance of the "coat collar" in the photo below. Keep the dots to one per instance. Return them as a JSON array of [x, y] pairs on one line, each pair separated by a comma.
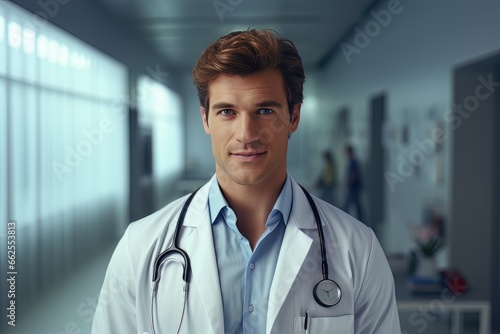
[[302, 214]]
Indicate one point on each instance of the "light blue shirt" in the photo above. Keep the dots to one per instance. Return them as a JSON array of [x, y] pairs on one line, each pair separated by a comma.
[[246, 276]]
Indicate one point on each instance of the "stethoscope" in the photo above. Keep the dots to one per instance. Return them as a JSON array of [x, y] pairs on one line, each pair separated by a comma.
[[326, 292]]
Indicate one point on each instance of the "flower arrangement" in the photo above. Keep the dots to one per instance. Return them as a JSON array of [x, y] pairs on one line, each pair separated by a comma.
[[429, 236]]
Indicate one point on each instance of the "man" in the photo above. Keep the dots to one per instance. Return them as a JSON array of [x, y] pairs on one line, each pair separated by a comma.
[[250, 233], [353, 183]]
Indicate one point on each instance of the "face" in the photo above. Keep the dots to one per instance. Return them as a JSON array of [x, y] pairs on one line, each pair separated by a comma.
[[249, 123]]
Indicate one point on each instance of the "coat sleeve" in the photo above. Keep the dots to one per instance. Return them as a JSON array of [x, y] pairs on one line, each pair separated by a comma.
[[375, 305], [115, 312]]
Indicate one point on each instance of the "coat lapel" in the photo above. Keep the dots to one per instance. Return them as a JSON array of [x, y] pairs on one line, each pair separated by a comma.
[[197, 240], [295, 247], [199, 245]]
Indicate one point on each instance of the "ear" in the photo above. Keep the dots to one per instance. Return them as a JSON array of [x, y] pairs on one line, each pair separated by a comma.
[[204, 120], [294, 123]]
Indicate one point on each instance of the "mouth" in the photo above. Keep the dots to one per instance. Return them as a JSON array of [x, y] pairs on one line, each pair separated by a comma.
[[247, 156]]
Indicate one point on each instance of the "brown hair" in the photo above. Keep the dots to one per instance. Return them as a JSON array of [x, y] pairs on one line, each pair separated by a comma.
[[246, 52]]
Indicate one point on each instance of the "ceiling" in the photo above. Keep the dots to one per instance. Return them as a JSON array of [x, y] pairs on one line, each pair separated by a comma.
[[180, 30]]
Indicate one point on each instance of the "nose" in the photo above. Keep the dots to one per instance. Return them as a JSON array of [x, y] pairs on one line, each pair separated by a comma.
[[248, 129]]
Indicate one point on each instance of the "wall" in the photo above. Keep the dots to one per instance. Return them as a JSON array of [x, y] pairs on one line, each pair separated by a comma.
[[496, 265], [45, 111], [94, 24], [199, 159], [412, 60], [63, 151]]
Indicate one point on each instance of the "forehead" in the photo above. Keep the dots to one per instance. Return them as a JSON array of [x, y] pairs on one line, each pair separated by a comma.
[[263, 84]]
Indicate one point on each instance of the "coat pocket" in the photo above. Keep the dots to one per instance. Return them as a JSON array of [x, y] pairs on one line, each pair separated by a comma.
[[326, 325]]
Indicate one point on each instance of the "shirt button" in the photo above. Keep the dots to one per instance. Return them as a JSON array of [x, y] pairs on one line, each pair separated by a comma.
[[252, 265], [250, 309]]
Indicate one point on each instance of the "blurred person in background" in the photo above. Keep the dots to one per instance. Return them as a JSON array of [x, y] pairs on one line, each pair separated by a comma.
[[327, 181], [353, 183]]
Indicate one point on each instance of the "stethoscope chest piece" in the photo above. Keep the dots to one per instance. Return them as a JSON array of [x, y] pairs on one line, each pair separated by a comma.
[[327, 293]]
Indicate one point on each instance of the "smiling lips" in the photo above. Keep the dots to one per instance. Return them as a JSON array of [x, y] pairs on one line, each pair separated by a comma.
[[247, 155]]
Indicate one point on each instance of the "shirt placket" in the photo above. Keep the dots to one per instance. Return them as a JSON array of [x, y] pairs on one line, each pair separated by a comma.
[[253, 311]]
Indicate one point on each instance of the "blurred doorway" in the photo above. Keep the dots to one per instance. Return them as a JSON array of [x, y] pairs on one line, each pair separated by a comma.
[[376, 164], [141, 168], [475, 198]]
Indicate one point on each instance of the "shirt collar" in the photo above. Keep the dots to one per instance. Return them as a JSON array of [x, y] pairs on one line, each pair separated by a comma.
[[217, 202]]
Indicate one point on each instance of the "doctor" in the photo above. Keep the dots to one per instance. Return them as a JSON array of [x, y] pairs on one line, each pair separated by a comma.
[[250, 235]]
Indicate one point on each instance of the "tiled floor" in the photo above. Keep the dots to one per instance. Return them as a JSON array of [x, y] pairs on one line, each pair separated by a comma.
[[70, 308]]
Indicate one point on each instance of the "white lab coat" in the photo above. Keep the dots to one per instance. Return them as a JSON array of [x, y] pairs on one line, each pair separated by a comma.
[[355, 258]]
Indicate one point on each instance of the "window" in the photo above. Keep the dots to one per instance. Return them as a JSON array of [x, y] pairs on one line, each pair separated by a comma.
[[3, 44], [160, 109], [64, 141]]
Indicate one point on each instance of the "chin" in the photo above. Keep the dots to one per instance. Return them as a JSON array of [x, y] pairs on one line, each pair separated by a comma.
[[246, 179]]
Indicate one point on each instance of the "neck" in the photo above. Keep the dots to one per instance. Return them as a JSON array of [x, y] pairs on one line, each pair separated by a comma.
[[252, 205]]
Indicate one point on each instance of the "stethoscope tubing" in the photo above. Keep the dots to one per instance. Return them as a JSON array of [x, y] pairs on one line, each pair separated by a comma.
[[163, 258], [174, 247], [324, 262]]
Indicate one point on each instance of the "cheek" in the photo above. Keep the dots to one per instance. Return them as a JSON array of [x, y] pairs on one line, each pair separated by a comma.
[[279, 124], [218, 139], [275, 132], [277, 142]]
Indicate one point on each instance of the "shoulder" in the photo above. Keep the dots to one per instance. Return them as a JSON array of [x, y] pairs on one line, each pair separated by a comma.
[[144, 239], [344, 230], [350, 237], [357, 245], [152, 225], [342, 222], [155, 231]]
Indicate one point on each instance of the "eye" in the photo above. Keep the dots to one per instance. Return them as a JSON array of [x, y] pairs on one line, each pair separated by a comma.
[[226, 112], [265, 111]]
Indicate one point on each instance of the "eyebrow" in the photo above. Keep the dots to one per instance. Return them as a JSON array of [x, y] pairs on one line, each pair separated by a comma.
[[266, 103], [222, 105], [269, 103]]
